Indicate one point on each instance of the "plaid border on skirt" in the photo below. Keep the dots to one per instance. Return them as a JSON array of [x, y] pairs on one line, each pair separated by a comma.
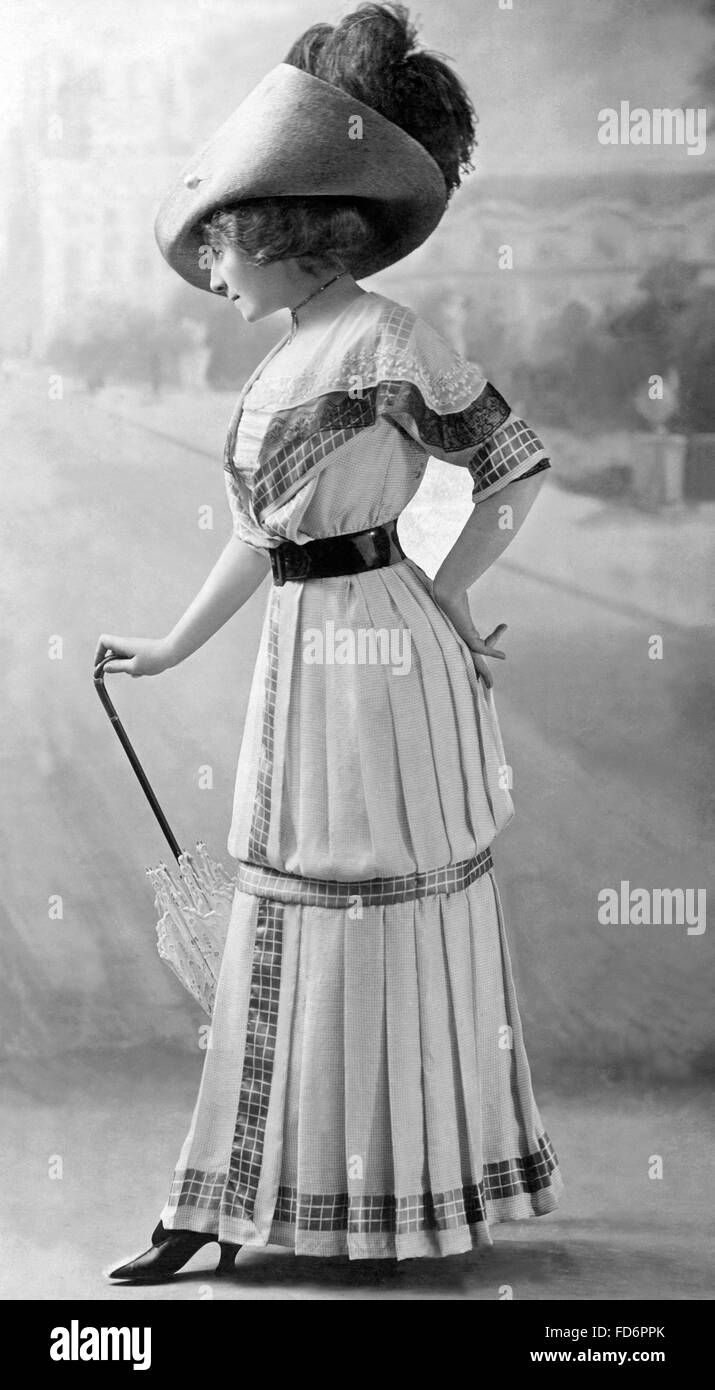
[[233, 1194], [383, 1213], [370, 892]]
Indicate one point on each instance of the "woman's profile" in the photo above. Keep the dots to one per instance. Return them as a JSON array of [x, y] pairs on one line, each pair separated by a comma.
[[367, 1090]]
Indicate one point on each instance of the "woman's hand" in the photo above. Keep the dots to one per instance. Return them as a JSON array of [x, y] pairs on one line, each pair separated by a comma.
[[485, 647], [138, 656], [480, 647]]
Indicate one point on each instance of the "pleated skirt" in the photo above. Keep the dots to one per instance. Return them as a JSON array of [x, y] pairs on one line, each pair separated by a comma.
[[366, 1089]]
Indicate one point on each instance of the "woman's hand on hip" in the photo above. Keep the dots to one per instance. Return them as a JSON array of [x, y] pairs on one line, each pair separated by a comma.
[[137, 656], [480, 647]]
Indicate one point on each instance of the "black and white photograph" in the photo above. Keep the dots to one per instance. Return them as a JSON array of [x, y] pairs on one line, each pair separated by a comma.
[[358, 564]]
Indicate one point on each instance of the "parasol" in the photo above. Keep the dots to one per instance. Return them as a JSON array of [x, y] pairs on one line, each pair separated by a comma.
[[193, 903]]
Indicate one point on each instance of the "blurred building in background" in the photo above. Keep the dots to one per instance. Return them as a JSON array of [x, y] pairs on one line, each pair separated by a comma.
[[84, 185], [573, 239]]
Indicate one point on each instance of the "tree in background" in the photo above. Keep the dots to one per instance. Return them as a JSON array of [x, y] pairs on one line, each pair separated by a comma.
[[591, 369], [575, 383], [649, 338]]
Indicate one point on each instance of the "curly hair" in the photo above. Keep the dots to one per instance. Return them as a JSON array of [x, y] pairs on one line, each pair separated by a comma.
[[372, 55], [316, 232]]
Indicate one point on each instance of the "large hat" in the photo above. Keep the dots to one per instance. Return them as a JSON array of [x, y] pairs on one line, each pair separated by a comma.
[[295, 135]]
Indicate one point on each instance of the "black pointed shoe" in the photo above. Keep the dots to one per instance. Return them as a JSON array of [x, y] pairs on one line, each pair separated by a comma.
[[168, 1252]]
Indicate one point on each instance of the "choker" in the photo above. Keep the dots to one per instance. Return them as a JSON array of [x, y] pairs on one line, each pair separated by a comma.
[[324, 286]]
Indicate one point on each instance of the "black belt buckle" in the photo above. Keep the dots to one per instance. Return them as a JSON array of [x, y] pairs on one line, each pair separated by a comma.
[[291, 561], [278, 564]]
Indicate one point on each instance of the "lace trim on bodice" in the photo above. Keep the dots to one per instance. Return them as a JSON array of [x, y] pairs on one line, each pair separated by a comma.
[[400, 346]]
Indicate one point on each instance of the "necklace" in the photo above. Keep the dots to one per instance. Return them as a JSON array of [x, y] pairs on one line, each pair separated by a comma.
[[294, 310]]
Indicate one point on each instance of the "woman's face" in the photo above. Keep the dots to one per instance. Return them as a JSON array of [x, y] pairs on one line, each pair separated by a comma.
[[257, 290]]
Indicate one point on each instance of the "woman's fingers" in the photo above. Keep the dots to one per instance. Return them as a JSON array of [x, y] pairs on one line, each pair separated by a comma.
[[120, 646], [481, 648], [101, 651], [104, 645], [484, 645], [101, 663], [482, 670], [127, 665], [119, 649], [493, 637]]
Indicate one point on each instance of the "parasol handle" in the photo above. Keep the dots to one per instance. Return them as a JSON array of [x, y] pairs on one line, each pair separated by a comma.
[[123, 737]]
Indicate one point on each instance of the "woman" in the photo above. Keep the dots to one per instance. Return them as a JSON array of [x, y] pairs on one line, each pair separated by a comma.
[[366, 1091]]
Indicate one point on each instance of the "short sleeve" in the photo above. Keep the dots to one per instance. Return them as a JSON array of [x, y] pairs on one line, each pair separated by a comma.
[[445, 404]]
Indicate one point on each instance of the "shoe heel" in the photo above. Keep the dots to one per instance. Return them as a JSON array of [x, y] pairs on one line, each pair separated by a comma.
[[227, 1258]]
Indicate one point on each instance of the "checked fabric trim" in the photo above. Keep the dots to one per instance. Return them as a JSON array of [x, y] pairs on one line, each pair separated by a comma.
[[261, 816], [298, 439], [372, 892], [378, 1213], [365, 1214]]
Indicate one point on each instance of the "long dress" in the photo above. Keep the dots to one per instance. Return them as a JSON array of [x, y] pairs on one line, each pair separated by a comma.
[[366, 1089]]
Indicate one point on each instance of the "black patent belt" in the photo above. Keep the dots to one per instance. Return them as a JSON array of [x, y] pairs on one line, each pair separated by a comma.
[[332, 555]]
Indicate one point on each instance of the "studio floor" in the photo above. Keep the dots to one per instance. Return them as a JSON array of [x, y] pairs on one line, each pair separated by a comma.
[[90, 1142]]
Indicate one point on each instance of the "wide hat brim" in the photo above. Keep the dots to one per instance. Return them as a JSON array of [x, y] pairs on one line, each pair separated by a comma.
[[295, 135]]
